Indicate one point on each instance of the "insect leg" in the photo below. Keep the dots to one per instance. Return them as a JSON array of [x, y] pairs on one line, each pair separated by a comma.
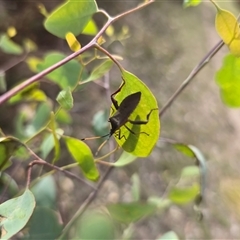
[[114, 101], [131, 131], [139, 122]]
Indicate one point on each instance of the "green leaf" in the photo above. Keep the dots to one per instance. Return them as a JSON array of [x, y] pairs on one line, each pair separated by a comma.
[[83, 156], [228, 79], [32, 93], [136, 187], [191, 3], [169, 236], [63, 117], [8, 145], [44, 224], [3, 84], [146, 136], [99, 71], [91, 28], [95, 225], [48, 143], [184, 195], [72, 16], [66, 75], [15, 214], [183, 148], [228, 29], [7, 181], [8, 46], [125, 159], [130, 212], [100, 123], [65, 98], [45, 192], [40, 119]]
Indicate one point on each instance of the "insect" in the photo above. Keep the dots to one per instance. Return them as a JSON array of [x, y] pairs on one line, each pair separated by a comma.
[[122, 114]]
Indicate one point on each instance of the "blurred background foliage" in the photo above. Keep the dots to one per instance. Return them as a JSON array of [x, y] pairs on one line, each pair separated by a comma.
[[165, 42]]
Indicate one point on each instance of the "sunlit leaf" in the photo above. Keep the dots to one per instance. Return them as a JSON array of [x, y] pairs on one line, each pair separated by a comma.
[[110, 31], [71, 16], [15, 214], [29, 45], [191, 3], [91, 28], [146, 135], [30, 93], [99, 71], [73, 43], [228, 29], [130, 212], [82, 154], [184, 195], [8, 46], [66, 75], [11, 31], [228, 79], [65, 98]]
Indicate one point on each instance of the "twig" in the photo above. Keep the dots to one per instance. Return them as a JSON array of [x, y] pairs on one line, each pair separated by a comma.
[[191, 76], [40, 161]]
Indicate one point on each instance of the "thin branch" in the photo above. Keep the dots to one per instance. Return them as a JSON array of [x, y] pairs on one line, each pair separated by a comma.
[[40, 161], [191, 76], [85, 204]]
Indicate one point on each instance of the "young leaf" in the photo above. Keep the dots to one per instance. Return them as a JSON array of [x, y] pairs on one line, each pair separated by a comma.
[[71, 16], [8, 46], [99, 71], [130, 212], [65, 76], [228, 79], [146, 135], [73, 43], [83, 156], [228, 29], [136, 187], [65, 98], [15, 214], [184, 195], [191, 3], [63, 117], [91, 28]]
